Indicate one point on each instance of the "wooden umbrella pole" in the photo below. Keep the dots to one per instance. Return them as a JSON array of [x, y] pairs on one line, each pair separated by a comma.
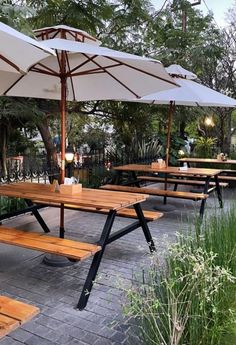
[[63, 133], [170, 115], [63, 127]]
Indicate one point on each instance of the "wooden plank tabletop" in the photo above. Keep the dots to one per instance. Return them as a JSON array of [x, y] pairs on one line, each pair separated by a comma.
[[96, 198], [168, 170], [207, 160]]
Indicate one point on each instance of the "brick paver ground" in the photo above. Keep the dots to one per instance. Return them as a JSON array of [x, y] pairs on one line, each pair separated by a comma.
[[56, 290]]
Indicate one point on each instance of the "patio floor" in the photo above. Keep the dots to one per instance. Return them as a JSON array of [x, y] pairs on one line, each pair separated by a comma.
[[56, 290]]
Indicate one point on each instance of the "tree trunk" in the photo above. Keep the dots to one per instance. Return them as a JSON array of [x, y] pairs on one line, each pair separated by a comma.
[[182, 126], [225, 130], [50, 148]]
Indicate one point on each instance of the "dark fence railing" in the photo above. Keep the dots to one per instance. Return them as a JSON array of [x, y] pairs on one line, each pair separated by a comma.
[[92, 169], [27, 168]]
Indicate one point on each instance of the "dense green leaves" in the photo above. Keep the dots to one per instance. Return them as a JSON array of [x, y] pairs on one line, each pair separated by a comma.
[[136, 27]]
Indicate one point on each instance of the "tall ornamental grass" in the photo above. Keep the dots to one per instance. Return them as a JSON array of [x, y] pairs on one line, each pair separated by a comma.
[[190, 300]]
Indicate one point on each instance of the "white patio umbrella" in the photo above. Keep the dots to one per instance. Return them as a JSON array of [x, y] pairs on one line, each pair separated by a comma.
[[82, 70], [18, 53], [190, 93]]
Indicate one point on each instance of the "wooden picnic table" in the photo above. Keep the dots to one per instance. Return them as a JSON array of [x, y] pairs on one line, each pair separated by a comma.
[[205, 174], [207, 160], [227, 175], [87, 199]]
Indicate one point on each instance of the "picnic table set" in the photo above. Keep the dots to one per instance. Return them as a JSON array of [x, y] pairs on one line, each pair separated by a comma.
[[63, 59]]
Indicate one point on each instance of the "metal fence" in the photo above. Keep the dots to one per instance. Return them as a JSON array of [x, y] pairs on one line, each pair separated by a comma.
[[92, 169], [26, 168]]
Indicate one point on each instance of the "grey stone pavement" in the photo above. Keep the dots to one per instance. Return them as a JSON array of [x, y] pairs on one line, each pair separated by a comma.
[[55, 290]]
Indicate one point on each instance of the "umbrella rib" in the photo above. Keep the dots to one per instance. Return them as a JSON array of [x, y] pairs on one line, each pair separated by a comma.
[[9, 62], [112, 76], [96, 70], [81, 65], [142, 71], [45, 70], [13, 84], [70, 76]]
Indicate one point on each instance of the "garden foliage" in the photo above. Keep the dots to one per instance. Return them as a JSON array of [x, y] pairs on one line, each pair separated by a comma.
[[191, 299]]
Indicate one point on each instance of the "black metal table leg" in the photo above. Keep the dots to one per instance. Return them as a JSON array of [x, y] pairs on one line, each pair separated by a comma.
[[96, 261], [202, 208], [34, 210], [19, 212], [145, 227], [117, 178], [218, 190], [135, 179], [165, 188]]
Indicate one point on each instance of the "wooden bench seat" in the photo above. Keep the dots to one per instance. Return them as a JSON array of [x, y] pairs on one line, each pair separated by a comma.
[[227, 178], [157, 192], [179, 181], [13, 314], [41, 242], [125, 212]]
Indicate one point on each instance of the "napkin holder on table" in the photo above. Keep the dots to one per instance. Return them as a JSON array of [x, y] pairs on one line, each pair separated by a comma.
[[160, 164], [70, 188]]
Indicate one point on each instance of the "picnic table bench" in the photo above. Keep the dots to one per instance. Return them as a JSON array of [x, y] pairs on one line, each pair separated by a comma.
[[89, 200], [13, 314], [181, 181], [157, 192]]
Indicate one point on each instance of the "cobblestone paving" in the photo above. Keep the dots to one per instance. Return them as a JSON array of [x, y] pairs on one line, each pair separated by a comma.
[[55, 290]]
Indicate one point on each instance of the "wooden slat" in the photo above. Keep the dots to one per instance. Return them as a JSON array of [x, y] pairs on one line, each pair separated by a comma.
[[49, 239], [88, 197], [220, 177], [125, 212], [68, 248], [227, 178], [7, 325], [159, 192], [14, 313], [169, 170], [179, 181], [207, 160], [17, 310]]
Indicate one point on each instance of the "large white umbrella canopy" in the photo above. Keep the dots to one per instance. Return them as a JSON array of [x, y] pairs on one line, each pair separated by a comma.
[[93, 73], [82, 70], [190, 93], [18, 53]]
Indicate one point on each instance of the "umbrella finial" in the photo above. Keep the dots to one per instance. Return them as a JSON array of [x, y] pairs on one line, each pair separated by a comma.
[[68, 32], [179, 71]]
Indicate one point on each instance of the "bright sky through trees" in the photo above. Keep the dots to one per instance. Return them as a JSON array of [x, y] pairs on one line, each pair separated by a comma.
[[218, 7]]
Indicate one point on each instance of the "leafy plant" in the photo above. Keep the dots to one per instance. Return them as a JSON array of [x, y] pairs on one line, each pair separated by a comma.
[[10, 204], [138, 151], [191, 299], [205, 147]]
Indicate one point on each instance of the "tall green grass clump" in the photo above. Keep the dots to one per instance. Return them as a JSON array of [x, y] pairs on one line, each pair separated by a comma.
[[190, 300]]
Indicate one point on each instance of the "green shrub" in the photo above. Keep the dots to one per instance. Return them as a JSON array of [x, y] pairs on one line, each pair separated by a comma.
[[10, 204], [204, 147], [190, 300]]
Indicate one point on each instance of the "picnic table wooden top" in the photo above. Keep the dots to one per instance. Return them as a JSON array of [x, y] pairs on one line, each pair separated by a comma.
[[96, 198], [207, 160], [168, 170]]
